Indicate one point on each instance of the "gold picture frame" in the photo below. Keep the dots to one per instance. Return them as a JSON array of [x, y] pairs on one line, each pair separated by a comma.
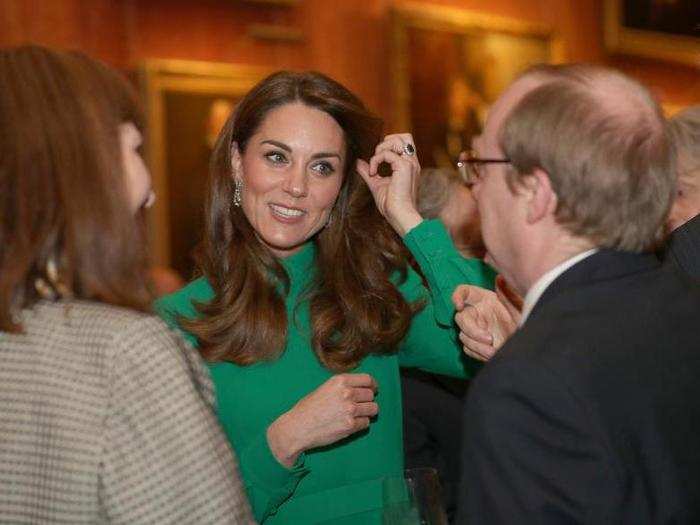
[[428, 92], [171, 89], [623, 39]]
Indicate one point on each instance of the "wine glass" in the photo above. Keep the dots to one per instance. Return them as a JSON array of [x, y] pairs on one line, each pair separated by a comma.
[[413, 499]]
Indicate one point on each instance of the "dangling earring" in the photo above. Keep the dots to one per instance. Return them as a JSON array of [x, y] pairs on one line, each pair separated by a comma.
[[330, 219], [238, 185], [55, 288]]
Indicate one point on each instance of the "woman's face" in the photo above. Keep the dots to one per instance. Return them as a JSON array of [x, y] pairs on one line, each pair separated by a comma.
[[138, 180], [687, 202], [292, 170]]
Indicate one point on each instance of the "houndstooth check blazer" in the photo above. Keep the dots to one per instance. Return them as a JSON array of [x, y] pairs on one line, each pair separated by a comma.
[[106, 416]]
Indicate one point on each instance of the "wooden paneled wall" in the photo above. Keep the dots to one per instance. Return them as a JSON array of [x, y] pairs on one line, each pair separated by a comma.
[[347, 39]]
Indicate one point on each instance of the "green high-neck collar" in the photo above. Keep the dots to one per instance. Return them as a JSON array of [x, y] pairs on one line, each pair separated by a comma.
[[302, 261]]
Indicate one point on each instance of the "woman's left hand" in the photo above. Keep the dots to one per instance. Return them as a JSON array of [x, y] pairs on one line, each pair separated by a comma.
[[396, 195]]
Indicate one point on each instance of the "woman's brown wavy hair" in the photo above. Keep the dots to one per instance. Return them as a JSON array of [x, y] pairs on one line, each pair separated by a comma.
[[63, 200], [355, 308]]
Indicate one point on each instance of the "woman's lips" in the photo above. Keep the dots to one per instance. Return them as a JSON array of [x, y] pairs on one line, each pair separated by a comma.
[[286, 214]]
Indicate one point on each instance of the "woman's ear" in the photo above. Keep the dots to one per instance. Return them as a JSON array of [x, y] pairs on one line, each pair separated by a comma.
[[236, 161]]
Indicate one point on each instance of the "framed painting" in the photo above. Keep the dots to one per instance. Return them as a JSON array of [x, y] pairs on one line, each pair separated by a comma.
[[663, 29], [187, 103], [449, 65]]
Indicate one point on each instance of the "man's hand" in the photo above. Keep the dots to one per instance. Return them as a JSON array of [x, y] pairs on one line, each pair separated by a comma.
[[486, 319]]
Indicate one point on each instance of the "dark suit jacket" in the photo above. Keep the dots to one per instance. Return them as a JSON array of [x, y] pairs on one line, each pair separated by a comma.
[[591, 412], [683, 247]]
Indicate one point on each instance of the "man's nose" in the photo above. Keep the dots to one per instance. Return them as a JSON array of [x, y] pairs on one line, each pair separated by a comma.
[[476, 190]]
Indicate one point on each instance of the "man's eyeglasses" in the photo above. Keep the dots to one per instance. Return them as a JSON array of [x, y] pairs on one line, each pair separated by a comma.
[[471, 167]]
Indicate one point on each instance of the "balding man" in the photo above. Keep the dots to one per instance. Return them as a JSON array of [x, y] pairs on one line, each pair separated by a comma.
[[683, 246], [590, 412]]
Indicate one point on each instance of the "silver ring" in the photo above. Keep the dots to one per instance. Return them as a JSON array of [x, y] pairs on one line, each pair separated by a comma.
[[408, 149]]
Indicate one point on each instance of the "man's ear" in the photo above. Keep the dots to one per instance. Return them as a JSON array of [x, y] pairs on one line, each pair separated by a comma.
[[236, 161], [541, 198]]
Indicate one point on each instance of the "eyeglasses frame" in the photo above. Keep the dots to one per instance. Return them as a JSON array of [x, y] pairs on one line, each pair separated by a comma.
[[468, 166]]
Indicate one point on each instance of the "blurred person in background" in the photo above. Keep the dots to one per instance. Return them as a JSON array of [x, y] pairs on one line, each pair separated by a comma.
[[106, 416], [683, 246], [432, 437], [444, 195], [308, 303], [685, 133]]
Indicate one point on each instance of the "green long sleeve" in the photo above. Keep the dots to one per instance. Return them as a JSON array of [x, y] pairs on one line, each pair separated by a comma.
[[268, 483], [432, 343]]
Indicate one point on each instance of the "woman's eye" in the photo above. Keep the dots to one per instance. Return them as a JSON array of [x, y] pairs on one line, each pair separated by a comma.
[[276, 157], [324, 168]]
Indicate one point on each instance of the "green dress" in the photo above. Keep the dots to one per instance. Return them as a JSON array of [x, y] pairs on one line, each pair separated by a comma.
[[343, 479]]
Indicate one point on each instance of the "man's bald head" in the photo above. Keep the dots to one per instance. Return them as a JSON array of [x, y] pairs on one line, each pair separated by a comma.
[[603, 141]]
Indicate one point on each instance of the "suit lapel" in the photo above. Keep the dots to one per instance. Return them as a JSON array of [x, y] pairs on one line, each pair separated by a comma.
[[605, 265], [683, 247]]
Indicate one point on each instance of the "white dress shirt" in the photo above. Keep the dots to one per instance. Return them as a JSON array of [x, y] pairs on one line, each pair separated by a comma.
[[536, 290]]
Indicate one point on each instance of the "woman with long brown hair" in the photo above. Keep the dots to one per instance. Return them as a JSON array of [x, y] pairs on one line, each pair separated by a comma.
[[308, 303], [105, 414]]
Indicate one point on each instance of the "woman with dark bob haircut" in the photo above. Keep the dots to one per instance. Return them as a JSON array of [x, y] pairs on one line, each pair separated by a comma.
[[308, 302], [106, 416]]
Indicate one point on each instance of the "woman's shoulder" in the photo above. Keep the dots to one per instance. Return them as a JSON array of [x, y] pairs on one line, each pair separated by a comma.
[[82, 316], [80, 328], [182, 302], [136, 340]]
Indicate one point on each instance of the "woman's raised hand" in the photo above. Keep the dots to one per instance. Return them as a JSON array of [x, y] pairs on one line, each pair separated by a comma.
[[341, 406], [396, 195]]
